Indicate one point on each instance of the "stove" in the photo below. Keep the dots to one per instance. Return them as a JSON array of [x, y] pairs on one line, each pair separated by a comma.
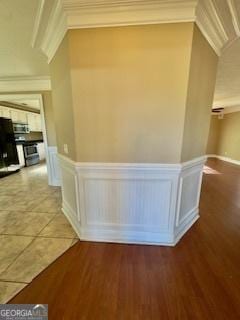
[[30, 153]]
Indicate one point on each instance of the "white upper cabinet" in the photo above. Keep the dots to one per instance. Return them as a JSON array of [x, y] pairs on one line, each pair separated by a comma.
[[14, 115], [31, 121], [6, 112], [20, 116], [38, 122], [34, 121], [17, 116]]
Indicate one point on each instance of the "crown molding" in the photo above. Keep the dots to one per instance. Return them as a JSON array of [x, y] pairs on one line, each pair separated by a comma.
[[75, 14], [91, 14], [210, 24], [227, 102], [55, 31], [235, 17], [21, 84], [37, 21]]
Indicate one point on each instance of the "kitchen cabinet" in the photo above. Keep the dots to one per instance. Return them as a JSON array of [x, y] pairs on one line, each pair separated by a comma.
[[41, 151], [6, 112], [20, 116], [14, 115], [20, 155], [34, 121], [38, 122], [17, 116], [31, 121]]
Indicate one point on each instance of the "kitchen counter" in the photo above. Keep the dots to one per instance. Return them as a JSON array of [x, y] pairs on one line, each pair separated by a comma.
[[28, 141]]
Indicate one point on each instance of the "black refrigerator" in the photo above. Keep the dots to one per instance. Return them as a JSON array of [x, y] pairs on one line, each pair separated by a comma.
[[8, 149]]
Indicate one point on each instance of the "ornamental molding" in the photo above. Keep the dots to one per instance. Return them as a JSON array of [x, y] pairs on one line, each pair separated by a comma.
[[76, 14]]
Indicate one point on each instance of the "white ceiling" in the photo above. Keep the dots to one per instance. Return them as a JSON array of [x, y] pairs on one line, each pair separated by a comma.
[[17, 57], [33, 103], [228, 76]]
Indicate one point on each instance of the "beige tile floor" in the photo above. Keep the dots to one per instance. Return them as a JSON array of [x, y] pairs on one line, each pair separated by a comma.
[[33, 230]]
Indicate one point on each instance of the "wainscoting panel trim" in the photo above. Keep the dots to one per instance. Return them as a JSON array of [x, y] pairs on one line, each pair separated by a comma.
[[54, 174], [131, 203]]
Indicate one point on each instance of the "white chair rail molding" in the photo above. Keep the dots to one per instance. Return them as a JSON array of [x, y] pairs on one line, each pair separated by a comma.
[[131, 203]]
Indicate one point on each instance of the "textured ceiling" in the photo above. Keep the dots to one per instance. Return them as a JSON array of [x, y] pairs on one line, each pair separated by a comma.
[[228, 76], [17, 57]]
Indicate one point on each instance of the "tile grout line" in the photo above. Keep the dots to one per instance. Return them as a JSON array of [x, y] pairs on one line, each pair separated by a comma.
[[11, 281], [34, 238], [17, 257], [48, 194], [37, 236], [54, 215]]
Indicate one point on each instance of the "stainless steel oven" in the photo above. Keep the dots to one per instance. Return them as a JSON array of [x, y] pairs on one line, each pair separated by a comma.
[[20, 127], [31, 154]]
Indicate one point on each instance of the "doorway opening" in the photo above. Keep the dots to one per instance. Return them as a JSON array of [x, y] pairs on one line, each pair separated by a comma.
[[27, 145]]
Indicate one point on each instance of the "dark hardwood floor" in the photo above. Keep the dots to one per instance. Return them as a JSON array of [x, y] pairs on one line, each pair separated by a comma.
[[197, 279]]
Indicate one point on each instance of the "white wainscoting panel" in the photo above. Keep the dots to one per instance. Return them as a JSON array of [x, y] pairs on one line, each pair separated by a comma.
[[128, 205], [54, 167], [131, 203], [189, 194], [70, 192]]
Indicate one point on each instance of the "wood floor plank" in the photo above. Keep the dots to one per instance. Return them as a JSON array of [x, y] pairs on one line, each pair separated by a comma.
[[197, 279]]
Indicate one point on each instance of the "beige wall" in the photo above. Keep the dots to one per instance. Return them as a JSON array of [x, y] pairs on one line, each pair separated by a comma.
[[49, 118], [227, 131], [62, 100], [129, 91], [202, 79], [134, 94], [229, 136], [213, 137]]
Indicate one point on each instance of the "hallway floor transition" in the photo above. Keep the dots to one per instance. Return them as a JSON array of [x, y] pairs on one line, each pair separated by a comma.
[[33, 230]]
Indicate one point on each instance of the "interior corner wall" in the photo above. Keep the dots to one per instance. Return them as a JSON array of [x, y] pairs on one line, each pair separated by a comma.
[[201, 87], [129, 88], [125, 102], [62, 100], [49, 118], [213, 138], [229, 136]]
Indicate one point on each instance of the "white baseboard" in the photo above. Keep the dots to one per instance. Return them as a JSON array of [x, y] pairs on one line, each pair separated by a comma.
[[131, 203], [70, 215], [230, 160], [53, 167], [186, 225], [132, 237]]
